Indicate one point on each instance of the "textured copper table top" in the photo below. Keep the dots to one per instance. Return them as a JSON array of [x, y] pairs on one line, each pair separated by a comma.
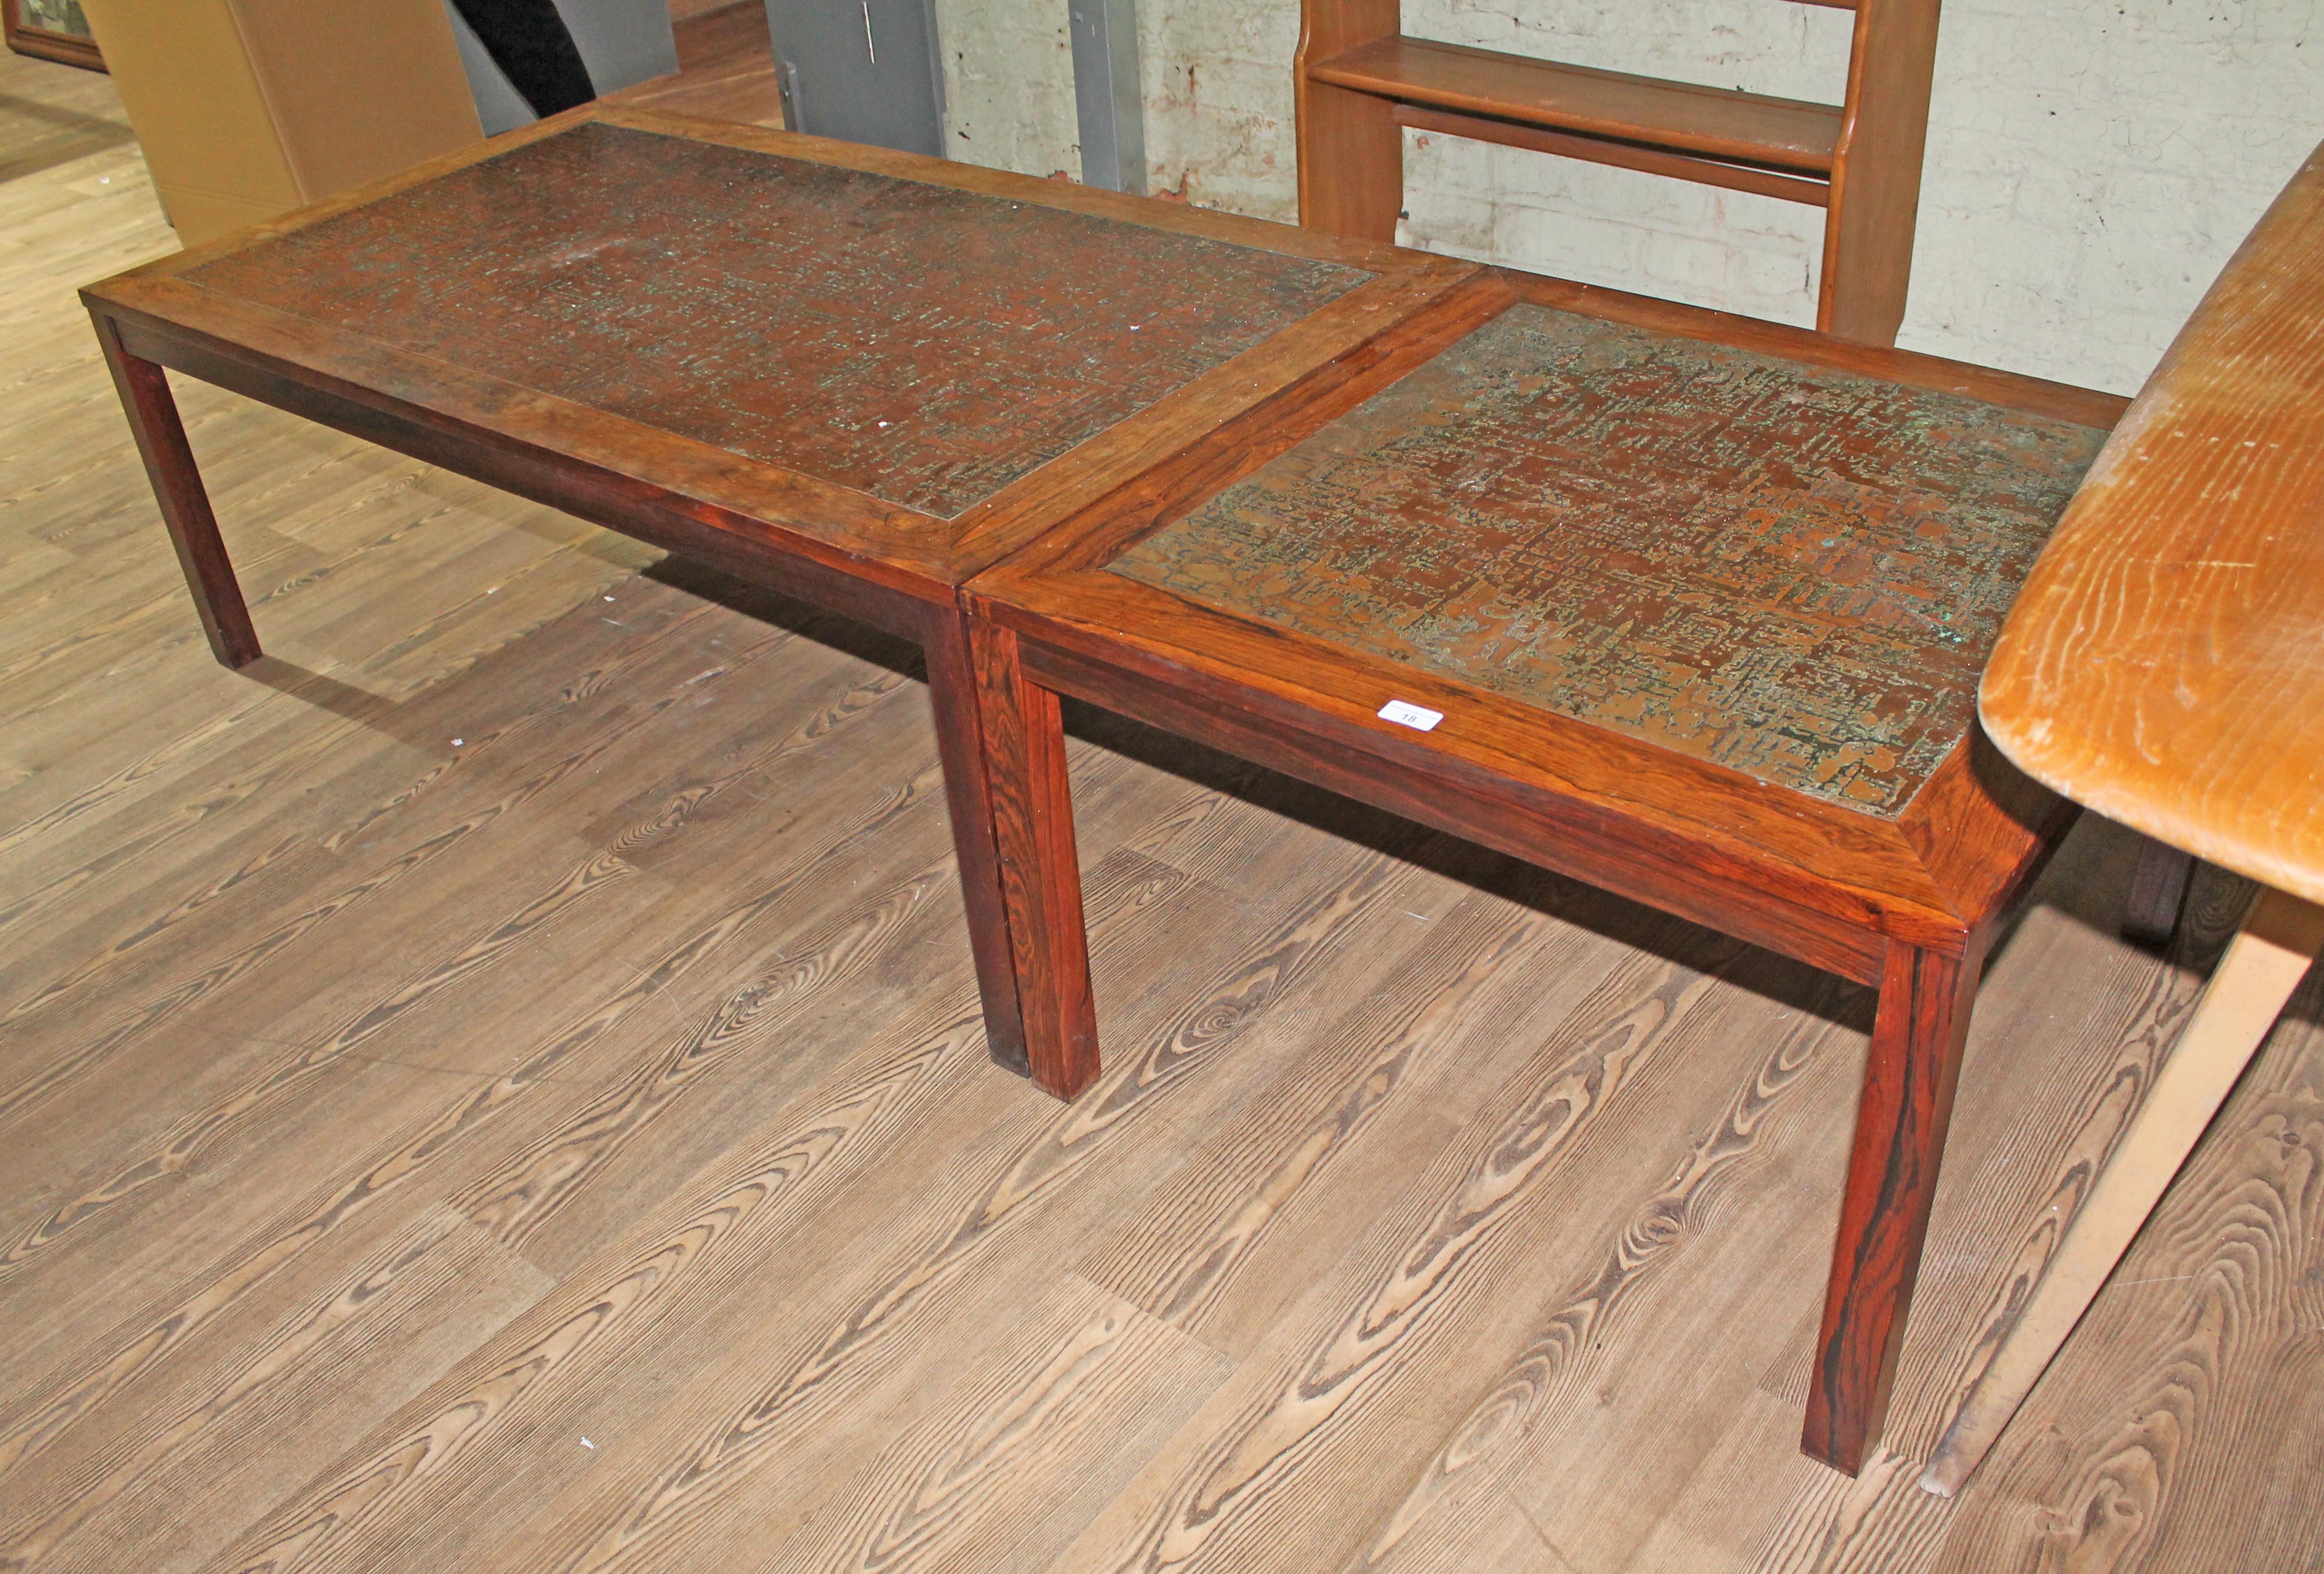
[[924, 345], [1789, 570]]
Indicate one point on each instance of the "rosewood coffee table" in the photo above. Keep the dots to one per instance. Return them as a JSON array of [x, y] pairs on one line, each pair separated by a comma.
[[853, 376], [1690, 607]]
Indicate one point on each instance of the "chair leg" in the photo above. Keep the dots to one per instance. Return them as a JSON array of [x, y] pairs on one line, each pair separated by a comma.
[[2158, 890], [1032, 819], [1909, 1077], [2280, 938], [161, 437], [960, 742]]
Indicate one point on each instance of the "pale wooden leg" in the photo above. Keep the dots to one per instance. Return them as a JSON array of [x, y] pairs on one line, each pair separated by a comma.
[[2280, 938]]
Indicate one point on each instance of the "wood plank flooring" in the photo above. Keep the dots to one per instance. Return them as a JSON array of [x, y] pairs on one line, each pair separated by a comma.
[[497, 1087], [725, 69]]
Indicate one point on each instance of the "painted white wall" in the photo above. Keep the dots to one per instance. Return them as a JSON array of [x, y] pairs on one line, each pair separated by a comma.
[[2091, 163], [1009, 85]]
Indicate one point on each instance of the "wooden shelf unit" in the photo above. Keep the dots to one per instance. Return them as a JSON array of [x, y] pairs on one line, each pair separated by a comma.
[[1359, 81]]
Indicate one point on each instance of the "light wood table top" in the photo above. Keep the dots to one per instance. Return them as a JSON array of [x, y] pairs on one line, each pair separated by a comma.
[[2164, 664]]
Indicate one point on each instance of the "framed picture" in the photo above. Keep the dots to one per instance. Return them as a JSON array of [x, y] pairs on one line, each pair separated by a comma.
[[50, 29]]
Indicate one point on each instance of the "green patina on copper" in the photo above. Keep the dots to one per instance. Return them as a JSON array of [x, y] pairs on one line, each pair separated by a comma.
[[921, 344], [1792, 571]]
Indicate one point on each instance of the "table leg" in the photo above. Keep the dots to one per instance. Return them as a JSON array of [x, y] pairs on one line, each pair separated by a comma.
[[1032, 819], [2158, 890], [1909, 1077], [2280, 938], [161, 437], [960, 742]]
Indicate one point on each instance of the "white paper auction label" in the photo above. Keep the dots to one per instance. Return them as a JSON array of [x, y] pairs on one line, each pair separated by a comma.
[[1404, 713]]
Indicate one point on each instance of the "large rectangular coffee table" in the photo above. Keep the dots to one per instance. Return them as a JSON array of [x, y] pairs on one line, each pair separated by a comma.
[[853, 376], [1690, 607]]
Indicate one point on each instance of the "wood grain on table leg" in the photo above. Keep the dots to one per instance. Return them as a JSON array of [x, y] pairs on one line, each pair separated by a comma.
[[1032, 819], [1909, 1076], [952, 690], [161, 437], [2279, 939]]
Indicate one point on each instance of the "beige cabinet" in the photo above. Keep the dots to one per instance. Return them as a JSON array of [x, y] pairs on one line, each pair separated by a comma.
[[248, 109]]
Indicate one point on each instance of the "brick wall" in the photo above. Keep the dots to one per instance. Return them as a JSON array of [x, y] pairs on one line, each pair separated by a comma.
[[2090, 165]]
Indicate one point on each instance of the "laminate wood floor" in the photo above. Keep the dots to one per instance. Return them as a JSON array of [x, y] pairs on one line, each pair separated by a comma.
[[725, 69], [497, 1087]]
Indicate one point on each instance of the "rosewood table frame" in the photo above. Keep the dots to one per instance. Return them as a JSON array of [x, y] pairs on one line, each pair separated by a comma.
[[1908, 905], [893, 567]]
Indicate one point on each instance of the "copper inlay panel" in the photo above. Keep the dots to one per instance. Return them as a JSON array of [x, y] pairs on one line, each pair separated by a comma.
[[1794, 572], [923, 344]]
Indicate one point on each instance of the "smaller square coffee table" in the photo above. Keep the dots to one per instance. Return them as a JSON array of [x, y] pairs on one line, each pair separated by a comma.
[[1687, 606]]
